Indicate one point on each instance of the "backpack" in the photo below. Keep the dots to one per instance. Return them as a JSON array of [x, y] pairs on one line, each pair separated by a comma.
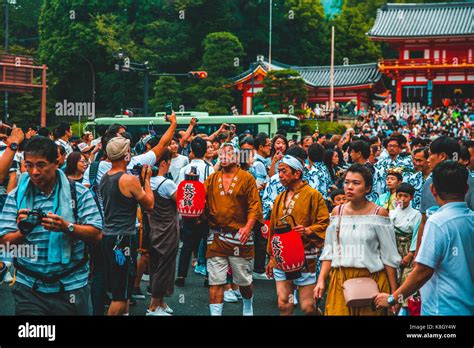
[[206, 171], [94, 187]]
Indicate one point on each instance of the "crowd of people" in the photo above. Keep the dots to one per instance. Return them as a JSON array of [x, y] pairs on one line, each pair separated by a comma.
[[389, 202]]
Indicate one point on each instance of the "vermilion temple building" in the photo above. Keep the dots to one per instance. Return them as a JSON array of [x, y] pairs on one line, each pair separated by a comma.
[[434, 42], [351, 82]]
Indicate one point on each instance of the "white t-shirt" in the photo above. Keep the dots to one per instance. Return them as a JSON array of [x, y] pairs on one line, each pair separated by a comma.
[[201, 166], [104, 166], [96, 141], [167, 188], [176, 164]]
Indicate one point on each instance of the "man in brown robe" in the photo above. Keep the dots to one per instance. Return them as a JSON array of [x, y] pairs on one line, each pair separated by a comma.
[[232, 208]]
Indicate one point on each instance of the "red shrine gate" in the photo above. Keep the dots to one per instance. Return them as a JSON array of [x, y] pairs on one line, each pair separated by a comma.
[[18, 73]]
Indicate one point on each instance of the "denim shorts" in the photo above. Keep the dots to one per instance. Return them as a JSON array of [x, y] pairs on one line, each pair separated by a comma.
[[305, 279]]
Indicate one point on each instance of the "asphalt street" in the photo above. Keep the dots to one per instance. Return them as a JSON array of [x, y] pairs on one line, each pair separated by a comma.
[[190, 300]]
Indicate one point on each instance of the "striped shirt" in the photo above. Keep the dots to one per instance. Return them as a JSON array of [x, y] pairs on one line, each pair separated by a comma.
[[38, 240]]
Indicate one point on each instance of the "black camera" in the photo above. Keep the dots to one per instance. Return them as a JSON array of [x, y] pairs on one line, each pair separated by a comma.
[[137, 170], [32, 220]]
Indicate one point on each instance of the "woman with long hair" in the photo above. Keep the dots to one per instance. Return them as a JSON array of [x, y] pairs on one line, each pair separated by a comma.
[[360, 242], [76, 165], [279, 147], [331, 161]]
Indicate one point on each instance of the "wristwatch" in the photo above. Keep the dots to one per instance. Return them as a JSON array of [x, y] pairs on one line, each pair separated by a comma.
[[391, 301], [13, 146], [70, 227]]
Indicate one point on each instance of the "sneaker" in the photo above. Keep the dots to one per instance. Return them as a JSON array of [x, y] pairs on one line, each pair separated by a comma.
[[200, 269], [138, 294], [260, 276], [148, 290], [158, 312], [179, 282], [168, 310], [229, 296], [145, 278], [237, 294]]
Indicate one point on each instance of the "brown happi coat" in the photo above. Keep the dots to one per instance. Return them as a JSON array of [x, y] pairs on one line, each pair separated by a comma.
[[308, 208], [228, 211]]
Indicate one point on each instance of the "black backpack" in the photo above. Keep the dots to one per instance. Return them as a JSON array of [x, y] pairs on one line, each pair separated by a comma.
[[94, 187]]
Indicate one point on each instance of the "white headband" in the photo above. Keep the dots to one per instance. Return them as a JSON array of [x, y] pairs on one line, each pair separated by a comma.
[[293, 162]]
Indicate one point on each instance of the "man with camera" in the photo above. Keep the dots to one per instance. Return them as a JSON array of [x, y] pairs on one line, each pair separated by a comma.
[[121, 194], [54, 218]]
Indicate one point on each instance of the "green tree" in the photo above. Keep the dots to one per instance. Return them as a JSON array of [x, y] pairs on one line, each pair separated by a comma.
[[284, 91], [223, 54], [166, 89], [214, 96], [352, 45]]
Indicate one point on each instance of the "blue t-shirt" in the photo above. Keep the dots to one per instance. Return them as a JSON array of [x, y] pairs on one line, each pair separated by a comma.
[[448, 247]]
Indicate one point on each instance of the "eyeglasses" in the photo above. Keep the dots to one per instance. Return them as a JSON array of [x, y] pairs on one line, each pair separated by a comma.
[[40, 165]]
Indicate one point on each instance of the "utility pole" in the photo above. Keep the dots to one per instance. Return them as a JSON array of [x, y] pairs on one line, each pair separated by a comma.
[[331, 79], [270, 38]]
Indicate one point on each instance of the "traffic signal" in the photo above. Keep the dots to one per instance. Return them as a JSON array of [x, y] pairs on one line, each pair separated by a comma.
[[197, 74]]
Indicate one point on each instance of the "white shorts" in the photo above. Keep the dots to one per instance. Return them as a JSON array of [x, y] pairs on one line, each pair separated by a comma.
[[218, 266], [304, 279]]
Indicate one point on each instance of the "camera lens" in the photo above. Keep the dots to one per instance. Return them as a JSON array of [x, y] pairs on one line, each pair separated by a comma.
[[27, 225]]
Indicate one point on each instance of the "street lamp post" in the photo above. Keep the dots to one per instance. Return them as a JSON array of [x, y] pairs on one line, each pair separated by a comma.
[[93, 85], [143, 67], [93, 76]]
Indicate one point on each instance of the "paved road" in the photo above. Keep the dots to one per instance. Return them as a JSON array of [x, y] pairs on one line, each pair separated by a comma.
[[189, 300]]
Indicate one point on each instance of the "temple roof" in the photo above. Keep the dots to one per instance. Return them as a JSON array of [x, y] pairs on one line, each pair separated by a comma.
[[318, 76], [423, 20]]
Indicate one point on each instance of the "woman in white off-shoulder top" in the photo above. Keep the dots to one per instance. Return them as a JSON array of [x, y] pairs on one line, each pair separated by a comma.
[[367, 246]]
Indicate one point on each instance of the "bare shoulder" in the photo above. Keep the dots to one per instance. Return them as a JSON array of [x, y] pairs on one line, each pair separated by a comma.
[[129, 183], [335, 211]]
